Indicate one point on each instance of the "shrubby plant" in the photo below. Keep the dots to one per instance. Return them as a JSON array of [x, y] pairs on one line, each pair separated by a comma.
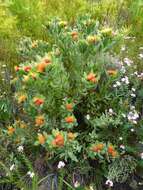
[[78, 105]]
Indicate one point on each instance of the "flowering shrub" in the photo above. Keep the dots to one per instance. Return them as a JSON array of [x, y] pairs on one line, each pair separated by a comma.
[[77, 101]]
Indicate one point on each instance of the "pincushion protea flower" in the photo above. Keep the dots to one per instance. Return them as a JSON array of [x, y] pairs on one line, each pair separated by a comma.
[[41, 139], [38, 101], [112, 72], [11, 130], [98, 147], [70, 119], [91, 77], [40, 120], [58, 141]]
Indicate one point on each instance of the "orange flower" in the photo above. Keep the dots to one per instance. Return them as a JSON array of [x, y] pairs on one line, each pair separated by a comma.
[[27, 68], [98, 147], [41, 67], [22, 99], [74, 35], [69, 119], [93, 39], [110, 149], [38, 101], [114, 154], [71, 136], [91, 77], [59, 140], [69, 107], [41, 139], [40, 120], [16, 68], [34, 44], [112, 72], [11, 130]]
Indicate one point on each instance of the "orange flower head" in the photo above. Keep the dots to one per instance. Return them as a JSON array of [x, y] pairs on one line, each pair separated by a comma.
[[40, 120], [38, 101], [71, 136], [16, 68], [11, 130], [59, 140], [91, 77], [112, 72], [41, 67], [41, 139], [69, 107], [34, 44], [110, 149], [74, 35], [97, 148], [69, 119], [114, 154], [27, 68], [22, 99]]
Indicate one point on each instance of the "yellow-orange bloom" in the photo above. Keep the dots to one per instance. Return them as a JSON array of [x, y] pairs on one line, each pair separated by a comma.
[[69, 119], [69, 106], [41, 139], [91, 77], [22, 99], [71, 136], [40, 120], [112, 72], [11, 130]]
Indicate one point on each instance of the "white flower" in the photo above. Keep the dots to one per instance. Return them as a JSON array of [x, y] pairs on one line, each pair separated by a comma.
[[132, 130], [61, 164], [141, 155], [118, 83], [120, 138], [111, 112], [128, 61], [12, 167], [76, 184], [31, 174], [123, 48], [114, 86], [141, 55], [20, 148], [124, 115], [133, 89], [133, 95], [109, 183], [87, 116], [125, 80], [122, 146]]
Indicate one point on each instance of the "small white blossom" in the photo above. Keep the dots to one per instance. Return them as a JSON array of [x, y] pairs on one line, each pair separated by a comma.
[[12, 167], [118, 83], [122, 146], [141, 55], [133, 95], [20, 148], [111, 112], [123, 48], [120, 138], [76, 184], [132, 130], [141, 155], [128, 61], [31, 174], [88, 117], [133, 89], [124, 115], [109, 183], [61, 164]]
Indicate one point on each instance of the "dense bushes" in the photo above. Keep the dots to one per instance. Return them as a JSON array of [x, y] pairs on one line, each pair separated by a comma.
[[78, 107], [71, 114]]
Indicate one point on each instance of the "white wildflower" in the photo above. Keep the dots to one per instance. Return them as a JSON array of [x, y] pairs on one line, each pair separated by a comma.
[[120, 138], [20, 148], [61, 164], [76, 184], [141, 155], [31, 174], [87, 116], [109, 183], [122, 146], [12, 167]]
